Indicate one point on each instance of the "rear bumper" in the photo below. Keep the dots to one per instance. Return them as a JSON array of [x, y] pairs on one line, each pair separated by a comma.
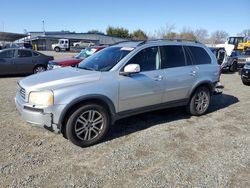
[[218, 88]]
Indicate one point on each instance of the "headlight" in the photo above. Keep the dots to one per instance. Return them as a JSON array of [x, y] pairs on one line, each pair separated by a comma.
[[43, 98]]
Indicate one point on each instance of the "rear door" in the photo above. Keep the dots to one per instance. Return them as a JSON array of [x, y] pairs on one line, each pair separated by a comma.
[[145, 88], [180, 74], [6, 62], [23, 61]]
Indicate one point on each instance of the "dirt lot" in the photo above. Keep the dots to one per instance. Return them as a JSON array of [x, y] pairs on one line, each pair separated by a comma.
[[165, 148]]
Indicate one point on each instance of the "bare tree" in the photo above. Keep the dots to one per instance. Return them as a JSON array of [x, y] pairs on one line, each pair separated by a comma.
[[218, 37], [164, 32], [245, 33], [187, 33], [201, 35]]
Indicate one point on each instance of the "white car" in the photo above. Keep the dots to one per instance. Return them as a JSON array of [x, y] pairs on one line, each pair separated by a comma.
[[83, 44]]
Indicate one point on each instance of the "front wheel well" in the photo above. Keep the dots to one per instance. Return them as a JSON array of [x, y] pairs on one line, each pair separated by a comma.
[[78, 104]]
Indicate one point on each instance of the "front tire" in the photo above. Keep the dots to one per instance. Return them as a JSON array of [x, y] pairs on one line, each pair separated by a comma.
[[87, 125], [57, 49], [234, 67], [199, 102]]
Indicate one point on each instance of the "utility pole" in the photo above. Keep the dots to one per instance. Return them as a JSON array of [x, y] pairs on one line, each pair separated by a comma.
[[2, 26], [43, 27]]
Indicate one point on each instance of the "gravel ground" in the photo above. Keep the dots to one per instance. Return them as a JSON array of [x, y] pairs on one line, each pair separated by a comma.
[[164, 148]]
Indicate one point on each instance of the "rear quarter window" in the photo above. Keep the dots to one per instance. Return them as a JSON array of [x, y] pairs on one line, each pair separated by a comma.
[[199, 55]]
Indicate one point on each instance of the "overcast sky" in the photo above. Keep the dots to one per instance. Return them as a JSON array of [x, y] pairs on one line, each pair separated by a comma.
[[149, 15]]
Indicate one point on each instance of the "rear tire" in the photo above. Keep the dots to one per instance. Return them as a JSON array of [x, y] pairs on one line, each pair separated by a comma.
[[87, 125], [234, 67], [39, 69], [199, 102]]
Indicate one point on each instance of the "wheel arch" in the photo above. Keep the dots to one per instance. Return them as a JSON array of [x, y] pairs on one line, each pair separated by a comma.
[[96, 99], [207, 84]]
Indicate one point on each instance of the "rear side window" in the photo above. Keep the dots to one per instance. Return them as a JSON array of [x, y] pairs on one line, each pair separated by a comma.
[[36, 54], [172, 56], [200, 56], [24, 53]]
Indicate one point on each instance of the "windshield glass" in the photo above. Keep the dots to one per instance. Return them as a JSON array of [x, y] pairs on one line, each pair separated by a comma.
[[105, 59], [86, 53]]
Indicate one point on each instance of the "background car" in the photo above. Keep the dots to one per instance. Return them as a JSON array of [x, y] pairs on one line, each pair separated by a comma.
[[22, 61], [75, 60], [245, 73], [83, 44], [227, 62], [242, 59]]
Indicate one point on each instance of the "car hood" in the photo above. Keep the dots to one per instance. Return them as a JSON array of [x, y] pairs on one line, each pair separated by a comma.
[[58, 78]]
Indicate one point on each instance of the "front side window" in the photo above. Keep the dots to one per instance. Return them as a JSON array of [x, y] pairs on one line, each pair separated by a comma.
[[24, 53], [7, 54], [172, 56], [106, 59], [200, 56], [148, 59]]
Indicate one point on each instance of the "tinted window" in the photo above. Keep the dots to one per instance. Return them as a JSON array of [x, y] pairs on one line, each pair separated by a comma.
[[247, 53], [36, 54], [200, 56], [148, 59], [24, 53], [188, 56], [172, 56], [7, 54]]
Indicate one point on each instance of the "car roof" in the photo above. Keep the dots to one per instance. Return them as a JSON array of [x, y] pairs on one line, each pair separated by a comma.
[[135, 44]]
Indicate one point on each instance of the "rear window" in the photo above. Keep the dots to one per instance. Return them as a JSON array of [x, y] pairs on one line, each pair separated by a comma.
[[172, 56], [24, 53], [200, 56]]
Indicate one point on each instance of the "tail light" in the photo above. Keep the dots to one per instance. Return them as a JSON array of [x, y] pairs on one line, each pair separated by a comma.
[[51, 58]]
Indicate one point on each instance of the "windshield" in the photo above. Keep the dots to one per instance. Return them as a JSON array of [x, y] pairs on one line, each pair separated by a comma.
[[85, 53], [105, 59]]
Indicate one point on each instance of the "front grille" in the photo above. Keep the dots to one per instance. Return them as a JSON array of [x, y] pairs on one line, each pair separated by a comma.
[[22, 92], [241, 60]]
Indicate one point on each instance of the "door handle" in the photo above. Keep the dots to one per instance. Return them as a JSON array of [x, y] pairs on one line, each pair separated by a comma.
[[192, 73], [158, 78]]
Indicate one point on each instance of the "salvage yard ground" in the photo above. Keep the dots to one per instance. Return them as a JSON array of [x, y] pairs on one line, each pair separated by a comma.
[[158, 149]]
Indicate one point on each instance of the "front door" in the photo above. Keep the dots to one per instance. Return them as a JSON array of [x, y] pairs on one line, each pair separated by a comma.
[[145, 88]]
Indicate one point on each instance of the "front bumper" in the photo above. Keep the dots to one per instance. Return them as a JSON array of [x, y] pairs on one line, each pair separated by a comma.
[[245, 75], [41, 117]]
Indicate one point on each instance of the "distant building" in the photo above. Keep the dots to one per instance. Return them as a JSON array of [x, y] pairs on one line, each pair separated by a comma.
[[44, 40]]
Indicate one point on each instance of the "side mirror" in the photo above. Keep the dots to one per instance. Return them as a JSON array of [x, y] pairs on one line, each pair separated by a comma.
[[131, 69]]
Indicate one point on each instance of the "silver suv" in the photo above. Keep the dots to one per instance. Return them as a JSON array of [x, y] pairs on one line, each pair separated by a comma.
[[122, 80]]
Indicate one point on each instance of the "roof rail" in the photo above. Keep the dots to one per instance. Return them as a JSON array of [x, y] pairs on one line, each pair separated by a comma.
[[176, 40]]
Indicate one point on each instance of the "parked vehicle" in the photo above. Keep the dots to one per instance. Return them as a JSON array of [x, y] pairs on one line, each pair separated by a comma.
[[245, 73], [244, 45], [63, 44], [242, 58], [22, 61], [83, 44], [228, 63], [231, 44], [75, 60], [119, 81]]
